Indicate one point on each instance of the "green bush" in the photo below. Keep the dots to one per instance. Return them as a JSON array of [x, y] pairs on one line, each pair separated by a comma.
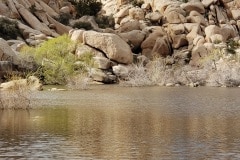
[[105, 21], [8, 29], [87, 58], [85, 25], [54, 58], [86, 7]]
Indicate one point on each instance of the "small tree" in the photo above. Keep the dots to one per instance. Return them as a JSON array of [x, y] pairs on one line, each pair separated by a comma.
[[86, 7]]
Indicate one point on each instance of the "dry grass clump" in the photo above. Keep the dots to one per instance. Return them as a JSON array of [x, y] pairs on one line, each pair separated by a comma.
[[157, 72], [78, 82], [17, 95], [151, 74], [15, 98], [137, 77], [218, 68]]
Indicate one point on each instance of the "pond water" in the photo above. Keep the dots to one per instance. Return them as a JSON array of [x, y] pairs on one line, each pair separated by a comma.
[[111, 122]]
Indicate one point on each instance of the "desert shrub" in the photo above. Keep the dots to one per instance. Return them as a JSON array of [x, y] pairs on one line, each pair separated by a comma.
[[54, 58], [84, 25], [57, 64], [137, 3], [18, 97], [8, 29], [78, 82], [32, 8], [87, 58], [209, 61], [137, 77], [105, 21], [226, 74], [86, 7], [232, 46], [154, 73], [64, 18]]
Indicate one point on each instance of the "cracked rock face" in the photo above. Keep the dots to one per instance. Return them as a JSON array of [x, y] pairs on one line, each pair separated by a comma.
[[112, 45]]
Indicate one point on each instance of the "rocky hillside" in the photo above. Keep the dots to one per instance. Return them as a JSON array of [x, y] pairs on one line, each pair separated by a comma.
[[183, 32]]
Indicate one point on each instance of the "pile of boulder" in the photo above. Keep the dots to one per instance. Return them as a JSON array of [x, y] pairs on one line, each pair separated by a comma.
[[182, 32]]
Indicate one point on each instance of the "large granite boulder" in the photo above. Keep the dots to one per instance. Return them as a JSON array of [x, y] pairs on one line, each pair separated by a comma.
[[76, 35], [174, 14], [178, 40], [236, 14], [102, 76], [134, 38], [32, 20], [7, 54], [102, 62], [60, 28], [136, 13], [112, 45], [13, 10], [121, 71], [4, 10], [82, 50], [211, 30], [121, 14], [193, 6], [129, 25], [47, 9], [157, 43], [154, 17], [162, 47], [195, 17], [226, 30], [207, 3], [198, 53]]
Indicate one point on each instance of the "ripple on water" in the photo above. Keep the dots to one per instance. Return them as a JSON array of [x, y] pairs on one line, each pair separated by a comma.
[[126, 123]]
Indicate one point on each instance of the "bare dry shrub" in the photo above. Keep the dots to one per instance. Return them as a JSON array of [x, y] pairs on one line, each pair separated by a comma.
[[137, 77], [157, 71], [15, 98], [152, 74], [78, 82], [221, 68], [18, 96], [217, 69], [226, 74]]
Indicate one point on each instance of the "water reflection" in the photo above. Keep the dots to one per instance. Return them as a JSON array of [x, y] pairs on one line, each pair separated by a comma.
[[186, 128]]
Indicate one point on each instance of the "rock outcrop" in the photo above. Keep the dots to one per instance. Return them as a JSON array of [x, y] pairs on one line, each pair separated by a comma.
[[183, 33], [7, 54]]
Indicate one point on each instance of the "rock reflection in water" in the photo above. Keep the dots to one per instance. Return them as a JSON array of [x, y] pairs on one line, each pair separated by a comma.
[[167, 130]]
